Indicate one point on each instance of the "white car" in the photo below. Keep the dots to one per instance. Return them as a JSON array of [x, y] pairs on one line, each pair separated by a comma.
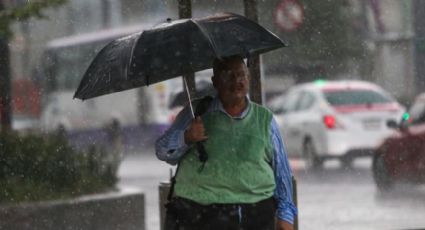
[[334, 119]]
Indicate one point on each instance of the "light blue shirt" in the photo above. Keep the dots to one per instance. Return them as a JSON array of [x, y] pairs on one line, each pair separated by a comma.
[[170, 147]]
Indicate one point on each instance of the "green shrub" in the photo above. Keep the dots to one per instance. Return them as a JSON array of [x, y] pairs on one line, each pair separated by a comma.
[[34, 168]]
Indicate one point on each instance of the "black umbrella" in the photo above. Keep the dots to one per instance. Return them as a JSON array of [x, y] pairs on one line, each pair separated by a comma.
[[173, 49]]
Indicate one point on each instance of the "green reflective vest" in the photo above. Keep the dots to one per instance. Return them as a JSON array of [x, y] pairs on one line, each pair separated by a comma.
[[239, 166]]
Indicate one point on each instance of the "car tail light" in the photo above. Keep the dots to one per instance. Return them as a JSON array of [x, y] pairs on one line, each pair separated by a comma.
[[331, 122]]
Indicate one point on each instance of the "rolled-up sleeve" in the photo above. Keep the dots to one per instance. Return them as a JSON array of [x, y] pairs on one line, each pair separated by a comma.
[[170, 147], [286, 209]]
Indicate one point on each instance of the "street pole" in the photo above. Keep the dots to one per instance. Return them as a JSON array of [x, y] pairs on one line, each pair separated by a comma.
[[419, 43], [5, 82], [256, 87], [106, 13], [254, 60], [185, 11]]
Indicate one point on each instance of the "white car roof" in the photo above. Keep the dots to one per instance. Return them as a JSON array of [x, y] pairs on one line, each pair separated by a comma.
[[338, 84]]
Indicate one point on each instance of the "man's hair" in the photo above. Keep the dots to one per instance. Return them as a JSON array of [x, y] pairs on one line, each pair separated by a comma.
[[220, 65]]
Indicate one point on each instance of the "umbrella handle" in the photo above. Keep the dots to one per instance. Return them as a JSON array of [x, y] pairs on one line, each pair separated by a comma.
[[203, 156], [201, 108]]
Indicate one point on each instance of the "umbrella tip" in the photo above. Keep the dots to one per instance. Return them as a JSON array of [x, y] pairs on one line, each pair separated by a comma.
[[75, 97]]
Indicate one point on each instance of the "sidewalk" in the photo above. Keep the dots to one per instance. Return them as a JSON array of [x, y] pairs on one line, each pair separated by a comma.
[[144, 171]]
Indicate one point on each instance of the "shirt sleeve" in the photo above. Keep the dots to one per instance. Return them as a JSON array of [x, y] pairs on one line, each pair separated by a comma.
[[286, 209], [170, 147]]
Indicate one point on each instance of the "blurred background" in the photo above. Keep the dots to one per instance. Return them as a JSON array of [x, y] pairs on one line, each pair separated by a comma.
[[378, 41]]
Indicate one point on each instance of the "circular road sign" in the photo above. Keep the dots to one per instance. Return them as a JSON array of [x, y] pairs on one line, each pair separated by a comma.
[[288, 15]]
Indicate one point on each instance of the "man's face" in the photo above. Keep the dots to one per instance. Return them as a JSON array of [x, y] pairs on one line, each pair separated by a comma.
[[233, 83]]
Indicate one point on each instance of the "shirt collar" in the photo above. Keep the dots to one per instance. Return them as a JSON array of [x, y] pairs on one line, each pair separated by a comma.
[[216, 105]]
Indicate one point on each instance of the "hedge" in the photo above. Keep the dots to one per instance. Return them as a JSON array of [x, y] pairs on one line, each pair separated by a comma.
[[35, 168]]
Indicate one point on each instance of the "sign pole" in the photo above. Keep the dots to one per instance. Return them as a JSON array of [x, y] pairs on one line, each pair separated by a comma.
[[255, 91], [185, 11]]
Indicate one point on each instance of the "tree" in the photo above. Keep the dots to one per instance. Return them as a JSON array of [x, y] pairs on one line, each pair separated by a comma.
[[8, 16], [328, 41]]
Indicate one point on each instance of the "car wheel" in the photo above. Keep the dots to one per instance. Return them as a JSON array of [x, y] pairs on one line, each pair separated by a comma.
[[347, 162], [313, 162], [382, 179]]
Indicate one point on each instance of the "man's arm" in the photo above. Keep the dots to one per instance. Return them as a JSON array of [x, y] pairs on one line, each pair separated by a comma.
[[286, 210], [170, 147]]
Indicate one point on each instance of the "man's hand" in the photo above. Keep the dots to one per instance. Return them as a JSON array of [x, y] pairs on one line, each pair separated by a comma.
[[283, 225], [195, 132]]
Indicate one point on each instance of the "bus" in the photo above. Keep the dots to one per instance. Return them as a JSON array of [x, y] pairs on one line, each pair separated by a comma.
[[141, 114]]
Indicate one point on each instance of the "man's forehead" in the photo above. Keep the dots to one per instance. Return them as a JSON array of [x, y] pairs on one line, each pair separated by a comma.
[[231, 64]]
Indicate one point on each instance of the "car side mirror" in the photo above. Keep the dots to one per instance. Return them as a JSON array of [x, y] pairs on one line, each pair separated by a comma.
[[392, 124], [404, 124]]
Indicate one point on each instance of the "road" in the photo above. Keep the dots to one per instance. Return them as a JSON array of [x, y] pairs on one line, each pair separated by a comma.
[[333, 198]]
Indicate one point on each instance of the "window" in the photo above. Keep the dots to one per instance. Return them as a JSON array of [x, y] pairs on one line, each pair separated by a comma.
[[291, 102], [72, 62], [306, 101], [355, 97]]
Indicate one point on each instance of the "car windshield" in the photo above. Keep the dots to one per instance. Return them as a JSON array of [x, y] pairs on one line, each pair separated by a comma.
[[355, 97], [417, 112]]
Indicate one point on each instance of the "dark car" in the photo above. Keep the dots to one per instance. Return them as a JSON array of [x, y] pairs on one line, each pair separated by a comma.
[[401, 157]]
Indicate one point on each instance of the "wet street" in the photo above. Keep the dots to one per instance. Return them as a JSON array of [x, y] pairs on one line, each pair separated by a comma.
[[334, 198]]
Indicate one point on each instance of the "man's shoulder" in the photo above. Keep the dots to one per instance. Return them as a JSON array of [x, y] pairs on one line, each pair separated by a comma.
[[261, 108], [264, 111]]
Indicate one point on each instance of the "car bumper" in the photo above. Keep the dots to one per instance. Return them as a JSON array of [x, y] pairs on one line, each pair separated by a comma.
[[340, 144]]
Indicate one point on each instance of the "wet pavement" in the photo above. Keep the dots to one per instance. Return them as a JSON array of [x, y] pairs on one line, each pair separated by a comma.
[[333, 198]]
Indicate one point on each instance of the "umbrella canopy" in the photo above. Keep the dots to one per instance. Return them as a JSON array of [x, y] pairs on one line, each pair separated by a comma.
[[173, 49]]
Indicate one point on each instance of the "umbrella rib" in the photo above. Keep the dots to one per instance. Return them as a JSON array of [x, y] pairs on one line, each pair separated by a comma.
[[188, 96], [131, 55], [128, 62], [207, 35]]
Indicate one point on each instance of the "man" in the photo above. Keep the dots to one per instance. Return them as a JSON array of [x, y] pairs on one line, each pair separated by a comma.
[[247, 175]]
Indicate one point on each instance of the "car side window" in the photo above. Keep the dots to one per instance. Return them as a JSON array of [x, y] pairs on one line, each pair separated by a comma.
[[306, 101], [291, 101], [417, 112], [276, 104]]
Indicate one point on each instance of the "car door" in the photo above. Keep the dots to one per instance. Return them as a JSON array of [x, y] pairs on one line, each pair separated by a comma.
[[414, 144], [415, 158], [287, 121], [303, 121]]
